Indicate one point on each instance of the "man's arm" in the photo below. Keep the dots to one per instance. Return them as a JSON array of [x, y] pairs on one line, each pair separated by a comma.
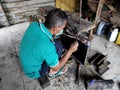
[[65, 58]]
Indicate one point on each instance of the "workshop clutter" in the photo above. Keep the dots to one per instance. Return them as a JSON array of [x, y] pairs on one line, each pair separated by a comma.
[[99, 62], [72, 32], [111, 32], [81, 53], [87, 75], [91, 80], [97, 66]]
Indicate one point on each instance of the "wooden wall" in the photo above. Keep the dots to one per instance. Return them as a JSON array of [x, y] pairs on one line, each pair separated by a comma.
[[16, 11]]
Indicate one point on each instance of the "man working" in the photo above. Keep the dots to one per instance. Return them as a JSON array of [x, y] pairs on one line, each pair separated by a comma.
[[39, 53]]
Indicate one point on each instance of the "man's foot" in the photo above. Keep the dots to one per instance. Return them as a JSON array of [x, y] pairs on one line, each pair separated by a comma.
[[63, 70]]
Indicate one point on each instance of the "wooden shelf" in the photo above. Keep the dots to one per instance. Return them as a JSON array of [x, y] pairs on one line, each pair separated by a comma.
[[111, 16], [83, 26]]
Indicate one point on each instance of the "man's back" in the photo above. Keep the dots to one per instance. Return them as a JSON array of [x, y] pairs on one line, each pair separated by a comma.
[[34, 49]]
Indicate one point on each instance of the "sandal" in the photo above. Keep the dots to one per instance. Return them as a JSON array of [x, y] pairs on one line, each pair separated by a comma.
[[63, 70]]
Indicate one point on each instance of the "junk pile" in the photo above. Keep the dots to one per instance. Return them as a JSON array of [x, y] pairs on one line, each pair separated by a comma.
[[90, 73]]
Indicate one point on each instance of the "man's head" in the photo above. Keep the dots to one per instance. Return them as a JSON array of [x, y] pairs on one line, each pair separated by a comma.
[[56, 21]]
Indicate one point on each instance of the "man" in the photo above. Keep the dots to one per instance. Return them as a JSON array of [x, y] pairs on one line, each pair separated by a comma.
[[39, 53]]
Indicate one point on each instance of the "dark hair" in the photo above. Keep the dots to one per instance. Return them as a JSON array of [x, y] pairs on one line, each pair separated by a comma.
[[55, 17]]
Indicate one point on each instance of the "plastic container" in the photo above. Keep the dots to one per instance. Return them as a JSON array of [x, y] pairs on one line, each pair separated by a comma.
[[102, 27], [118, 39], [113, 34]]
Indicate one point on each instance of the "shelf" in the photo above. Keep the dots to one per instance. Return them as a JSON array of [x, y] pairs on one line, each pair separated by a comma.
[[111, 16], [83, 26]]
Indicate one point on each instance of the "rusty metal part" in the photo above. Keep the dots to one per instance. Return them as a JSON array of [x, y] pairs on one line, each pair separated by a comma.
[[72, 32]]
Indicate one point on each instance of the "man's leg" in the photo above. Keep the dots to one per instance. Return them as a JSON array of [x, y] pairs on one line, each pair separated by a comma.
[[58, 46], [43, 80], [45, 68]]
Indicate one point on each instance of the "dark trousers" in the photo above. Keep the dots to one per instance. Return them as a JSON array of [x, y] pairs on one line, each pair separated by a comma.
[[45, 68]]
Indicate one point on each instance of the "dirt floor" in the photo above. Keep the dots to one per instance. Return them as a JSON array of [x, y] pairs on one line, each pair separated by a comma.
[[13, 78]]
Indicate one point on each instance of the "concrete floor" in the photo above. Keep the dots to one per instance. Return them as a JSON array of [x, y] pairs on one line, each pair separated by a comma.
[[12, 77]]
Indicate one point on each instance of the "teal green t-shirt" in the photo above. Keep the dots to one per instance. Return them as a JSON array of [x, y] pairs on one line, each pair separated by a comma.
[[36, 46]]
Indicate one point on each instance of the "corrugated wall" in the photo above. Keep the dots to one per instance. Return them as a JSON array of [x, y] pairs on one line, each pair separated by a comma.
[[18, 11]]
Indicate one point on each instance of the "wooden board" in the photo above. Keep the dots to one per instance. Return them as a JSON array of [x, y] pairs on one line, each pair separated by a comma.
[[27, 8], [19, 10], [25, 3]]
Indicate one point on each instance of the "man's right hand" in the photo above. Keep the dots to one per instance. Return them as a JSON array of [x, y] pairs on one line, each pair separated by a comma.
[[74, 47], [62, 62]]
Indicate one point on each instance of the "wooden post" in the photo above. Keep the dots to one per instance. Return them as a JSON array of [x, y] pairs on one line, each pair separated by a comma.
[[97, 18], [80, 12], [99, 9]]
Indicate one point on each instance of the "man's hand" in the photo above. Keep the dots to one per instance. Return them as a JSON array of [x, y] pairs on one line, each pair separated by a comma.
[[62, 62], [74, 47]]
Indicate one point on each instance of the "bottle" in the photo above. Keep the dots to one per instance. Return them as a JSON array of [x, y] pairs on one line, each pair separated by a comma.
[[113, 34]]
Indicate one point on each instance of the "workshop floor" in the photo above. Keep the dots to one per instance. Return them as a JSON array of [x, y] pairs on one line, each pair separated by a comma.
[[12, 77]]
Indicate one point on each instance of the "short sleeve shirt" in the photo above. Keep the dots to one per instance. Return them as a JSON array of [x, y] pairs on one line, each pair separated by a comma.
[[36, 46]]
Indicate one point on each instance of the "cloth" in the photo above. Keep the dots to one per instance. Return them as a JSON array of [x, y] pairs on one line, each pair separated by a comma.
[[37, 46]]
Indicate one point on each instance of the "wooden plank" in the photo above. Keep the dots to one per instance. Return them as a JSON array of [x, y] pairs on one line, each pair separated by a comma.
[[22, 17], [25, 3], [7, 1], [27, 8], [111, 7], [19, 10], [18, 21], [24, 14]]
